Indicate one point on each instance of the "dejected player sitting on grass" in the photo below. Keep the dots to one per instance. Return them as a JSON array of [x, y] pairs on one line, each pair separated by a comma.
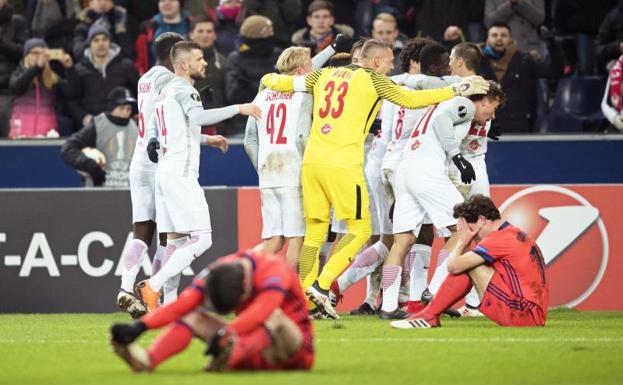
[[506, 267], [272, 330]]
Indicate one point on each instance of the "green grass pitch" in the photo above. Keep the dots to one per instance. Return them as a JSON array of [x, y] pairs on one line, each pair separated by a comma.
[[575, 348]]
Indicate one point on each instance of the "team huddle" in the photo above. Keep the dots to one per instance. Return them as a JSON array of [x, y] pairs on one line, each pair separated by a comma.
[[424, 173]]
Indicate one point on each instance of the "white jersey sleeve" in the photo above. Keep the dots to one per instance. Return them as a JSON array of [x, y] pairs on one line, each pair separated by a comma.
[[149, 86], [279, 156]]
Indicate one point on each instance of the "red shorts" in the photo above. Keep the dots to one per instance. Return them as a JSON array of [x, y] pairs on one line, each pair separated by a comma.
[[303, 359], [504, 308]]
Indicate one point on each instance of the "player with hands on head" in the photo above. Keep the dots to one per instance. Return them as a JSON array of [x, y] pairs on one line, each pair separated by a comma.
[[271, 331], [506, 267]]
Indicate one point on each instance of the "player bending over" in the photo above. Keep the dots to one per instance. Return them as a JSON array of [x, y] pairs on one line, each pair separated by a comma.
[[272, 330], [506, 267]]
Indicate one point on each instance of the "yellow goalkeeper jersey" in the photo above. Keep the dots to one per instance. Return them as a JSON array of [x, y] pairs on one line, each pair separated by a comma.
[[346, 102]]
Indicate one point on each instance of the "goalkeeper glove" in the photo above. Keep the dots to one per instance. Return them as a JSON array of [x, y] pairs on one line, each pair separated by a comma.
[[152, 149], [465, 168], [341, 43], [125, 334], [494, 132], [471, 85]]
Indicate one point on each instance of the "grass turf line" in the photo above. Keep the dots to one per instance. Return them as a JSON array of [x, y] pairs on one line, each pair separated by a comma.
[[575, 348]]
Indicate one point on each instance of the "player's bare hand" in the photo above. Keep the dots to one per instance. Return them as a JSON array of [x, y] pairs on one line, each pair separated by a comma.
[[250, 109], [471, 85], [219, 142], [464, 233]]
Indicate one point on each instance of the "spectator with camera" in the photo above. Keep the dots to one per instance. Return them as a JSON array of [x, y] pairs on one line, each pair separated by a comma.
[[101, 69], [13, 34], [37, 85], [103, 149], [103, 14]]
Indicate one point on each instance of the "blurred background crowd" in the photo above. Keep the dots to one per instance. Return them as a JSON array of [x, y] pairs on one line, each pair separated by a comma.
[[559, 61]]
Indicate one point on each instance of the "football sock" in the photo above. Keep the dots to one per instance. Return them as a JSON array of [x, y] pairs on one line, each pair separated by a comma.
[[157, 263], [309, 259], [249, 344], [172, 341], [419, 271], [181, 257], [391, 287], [359, 231], [131, 261], [472, 299], [374, 285], [170, 289], [441, 272], [365, 263], [453, 288]]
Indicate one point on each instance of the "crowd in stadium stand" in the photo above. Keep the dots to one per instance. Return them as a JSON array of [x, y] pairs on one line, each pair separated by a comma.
[[59, 59]]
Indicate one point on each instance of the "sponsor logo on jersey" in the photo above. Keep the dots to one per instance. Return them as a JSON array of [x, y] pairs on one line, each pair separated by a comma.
[[326, 128], [415, 145], [571, 235]]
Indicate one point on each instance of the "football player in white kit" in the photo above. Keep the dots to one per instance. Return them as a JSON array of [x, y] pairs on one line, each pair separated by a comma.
[[181, 208], [464, 61], [275, 145], [142, 181], [422, 187]]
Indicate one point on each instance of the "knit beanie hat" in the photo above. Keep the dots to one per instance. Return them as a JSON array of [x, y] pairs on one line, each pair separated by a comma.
[[33, 43], [256, 27], [97, 30]]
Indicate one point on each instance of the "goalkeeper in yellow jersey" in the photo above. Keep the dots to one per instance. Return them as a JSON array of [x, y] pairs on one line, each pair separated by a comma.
[[346, 102]]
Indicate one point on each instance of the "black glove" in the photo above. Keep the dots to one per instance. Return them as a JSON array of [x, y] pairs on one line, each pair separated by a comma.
[[218, 342], [341, 43], [98, 176], [152, 149], [375, 128], [495, 131], [127, 333], [465, 168]]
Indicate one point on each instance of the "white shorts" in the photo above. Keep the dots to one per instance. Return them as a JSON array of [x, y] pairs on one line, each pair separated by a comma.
[[479, 186], [282, 212], [423, 192], [181, 205], [379, 203], [142, 193]]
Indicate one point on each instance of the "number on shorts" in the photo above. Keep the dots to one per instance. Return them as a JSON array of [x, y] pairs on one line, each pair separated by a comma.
[[280, 113]]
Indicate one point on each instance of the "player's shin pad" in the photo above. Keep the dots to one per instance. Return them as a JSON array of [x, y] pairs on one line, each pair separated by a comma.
[[359, 231]]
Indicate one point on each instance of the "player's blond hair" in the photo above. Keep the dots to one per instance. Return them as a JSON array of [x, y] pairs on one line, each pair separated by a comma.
[[292, 58]]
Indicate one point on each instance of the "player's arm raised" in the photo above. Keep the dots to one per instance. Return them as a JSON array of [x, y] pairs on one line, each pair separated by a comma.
[[414, 99], [288, 83]]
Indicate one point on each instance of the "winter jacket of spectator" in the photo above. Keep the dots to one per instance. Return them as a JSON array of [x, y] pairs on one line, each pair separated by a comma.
[[283, 14], [54, 21], [212, 88], [243, 75], [519, 84], [303, 38], [524, 18], [227, 36], [94, 85], [101, 133], [150, 30], [116, 19], [610, 36], [13, 34], [571, 17], [138, 11], [37, 101], [432, 17]]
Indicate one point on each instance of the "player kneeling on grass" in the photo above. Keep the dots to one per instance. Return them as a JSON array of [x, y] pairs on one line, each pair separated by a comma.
[[272, 330], [506, 267]]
